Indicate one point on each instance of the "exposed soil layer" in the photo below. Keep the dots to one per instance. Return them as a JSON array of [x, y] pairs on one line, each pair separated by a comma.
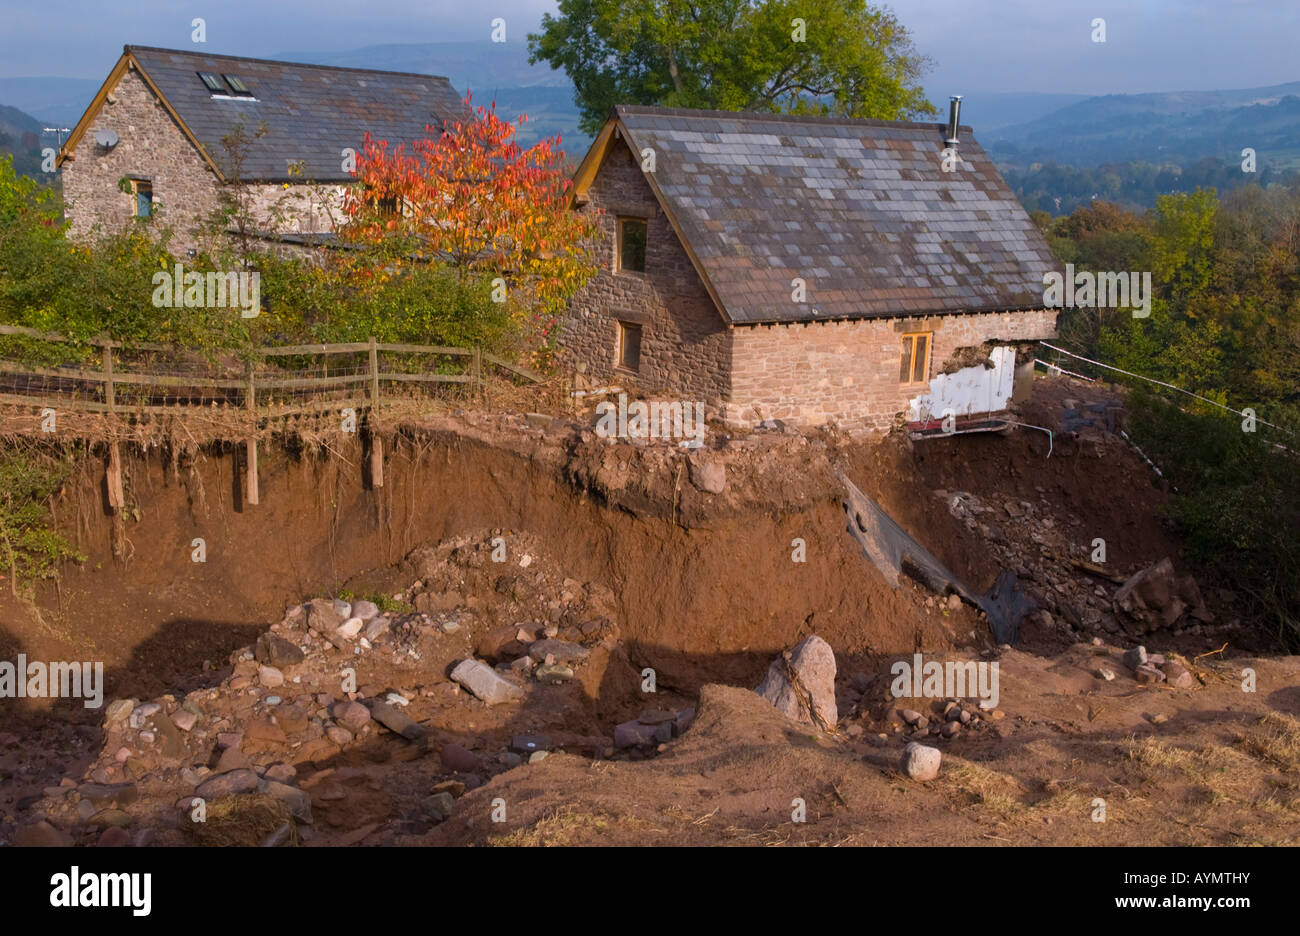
[[689, 559]]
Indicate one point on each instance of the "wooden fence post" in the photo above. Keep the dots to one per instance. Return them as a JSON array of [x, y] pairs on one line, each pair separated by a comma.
[[478, 371], [374, 373], [250, 468], [113, 476], [376, 443]]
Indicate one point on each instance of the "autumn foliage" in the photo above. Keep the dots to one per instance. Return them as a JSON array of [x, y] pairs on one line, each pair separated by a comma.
[[472, 198]]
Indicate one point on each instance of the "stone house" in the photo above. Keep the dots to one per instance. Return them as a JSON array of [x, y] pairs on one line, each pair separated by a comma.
[[810, 269], [151, 141]]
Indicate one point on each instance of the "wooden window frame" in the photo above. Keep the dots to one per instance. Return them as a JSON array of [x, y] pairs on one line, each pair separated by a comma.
[[620, 346], [911, 365], [618, 244], [136, 185]]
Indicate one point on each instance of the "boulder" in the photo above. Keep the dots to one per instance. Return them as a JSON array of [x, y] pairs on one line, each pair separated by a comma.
[[231, 783], [921, 762], [707, 472], [397, 721], [800, 684], [274, 650], [483, 682], [561, 650]]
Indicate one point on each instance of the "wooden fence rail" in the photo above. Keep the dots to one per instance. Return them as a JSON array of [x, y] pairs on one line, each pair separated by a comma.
[[109, 378]]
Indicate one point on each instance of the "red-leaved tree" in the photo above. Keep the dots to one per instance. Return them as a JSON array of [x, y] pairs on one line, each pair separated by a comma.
[[473, 198]]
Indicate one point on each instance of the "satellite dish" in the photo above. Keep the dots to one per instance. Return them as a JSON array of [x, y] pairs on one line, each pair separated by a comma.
[[106, 138]]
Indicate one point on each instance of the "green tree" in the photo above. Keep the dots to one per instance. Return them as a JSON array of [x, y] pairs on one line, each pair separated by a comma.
[[841, 57]]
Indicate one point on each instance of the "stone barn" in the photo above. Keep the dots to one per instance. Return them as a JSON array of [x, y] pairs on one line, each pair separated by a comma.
[[151, 141], [809, 269]]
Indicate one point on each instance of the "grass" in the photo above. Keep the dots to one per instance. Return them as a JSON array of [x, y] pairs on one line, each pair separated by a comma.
[[1275, 740]]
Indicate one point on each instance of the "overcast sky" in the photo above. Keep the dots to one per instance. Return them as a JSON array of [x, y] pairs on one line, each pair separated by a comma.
[[975, 45]]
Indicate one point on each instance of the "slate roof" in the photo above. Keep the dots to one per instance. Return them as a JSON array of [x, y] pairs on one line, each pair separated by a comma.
[[312, 112], [860, 209]]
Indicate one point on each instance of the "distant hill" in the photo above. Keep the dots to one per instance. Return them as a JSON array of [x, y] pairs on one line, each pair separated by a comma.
[[1181, 128], [20, 135], [989, 112], [55, 102]]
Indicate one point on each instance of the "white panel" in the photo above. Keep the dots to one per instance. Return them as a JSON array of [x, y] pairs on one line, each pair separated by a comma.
[[969, 391]]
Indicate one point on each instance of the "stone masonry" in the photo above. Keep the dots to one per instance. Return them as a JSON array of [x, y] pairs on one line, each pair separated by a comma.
[[846, 372], [685, 344], [186, 192], [842, 372]]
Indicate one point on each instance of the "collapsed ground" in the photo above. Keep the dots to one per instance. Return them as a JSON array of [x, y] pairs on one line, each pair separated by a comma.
[[620, 558]]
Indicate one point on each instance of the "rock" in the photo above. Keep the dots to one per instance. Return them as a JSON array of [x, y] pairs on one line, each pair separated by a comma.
[[553, 673], [113, 817], [1159, 718], [116, 794], [439, 806], [114, 837], [230, 783], [321, 616], [351, 715], [397, 721], [800, 684], [511, 759], [1178, 675], [342, 608], [499, 643], [913, 717], [656, 716], [364, 610], [562, 650], [142, 713], [230, 759], [952, 729], [184, 720], [1149, 673], [921, 762], [281, 773], [298, 801], [683, 721], [1135, 657], [339, 735], [41, 835], [537, 757], [273, 650], [1153, 588], [1104, 673], [118, 711], [349, 629], [263, 729], [634, 734], [270, 677], [707, 472], [457, 759], [482, 680]]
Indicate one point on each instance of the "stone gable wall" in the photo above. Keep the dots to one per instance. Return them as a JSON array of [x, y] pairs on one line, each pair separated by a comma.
[[685, 345]]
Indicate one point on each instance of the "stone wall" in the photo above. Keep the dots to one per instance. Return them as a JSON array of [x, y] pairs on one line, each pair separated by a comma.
[[848, 372], [685, 345], [151, 146], [186, 192]]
